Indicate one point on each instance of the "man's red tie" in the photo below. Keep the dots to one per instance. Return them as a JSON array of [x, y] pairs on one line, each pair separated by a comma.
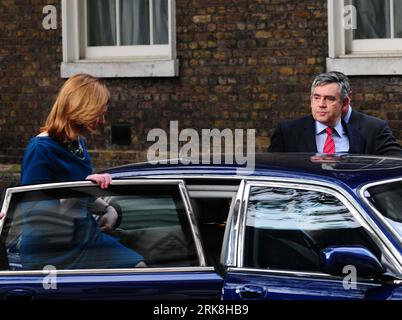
[[329, 145]]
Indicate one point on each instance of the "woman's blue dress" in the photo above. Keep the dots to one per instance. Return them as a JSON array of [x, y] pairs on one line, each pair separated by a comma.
[[72, 240]]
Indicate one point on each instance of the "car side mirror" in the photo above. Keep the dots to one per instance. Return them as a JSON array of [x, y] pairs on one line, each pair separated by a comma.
[[334, 259]]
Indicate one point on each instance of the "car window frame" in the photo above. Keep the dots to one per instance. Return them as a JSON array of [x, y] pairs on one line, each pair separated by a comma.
[[233, 258], [362, 193], [187, 206]]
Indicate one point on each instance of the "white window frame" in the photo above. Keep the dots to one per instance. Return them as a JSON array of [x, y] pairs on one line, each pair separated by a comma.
[[109, 62], [359, 57]]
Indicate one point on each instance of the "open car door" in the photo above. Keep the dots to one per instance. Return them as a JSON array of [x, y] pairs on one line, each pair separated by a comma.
[[54, 248]]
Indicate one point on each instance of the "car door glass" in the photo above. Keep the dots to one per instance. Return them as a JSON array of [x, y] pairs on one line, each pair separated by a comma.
[[387, 199], [286, 228], [58, 227]]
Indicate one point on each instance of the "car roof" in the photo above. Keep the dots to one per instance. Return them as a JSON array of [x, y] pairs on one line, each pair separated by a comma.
[[353, 170]]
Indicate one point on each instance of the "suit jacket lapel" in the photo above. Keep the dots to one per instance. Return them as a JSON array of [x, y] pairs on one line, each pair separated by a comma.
[[308, 136], [356, 141], [355, 119]]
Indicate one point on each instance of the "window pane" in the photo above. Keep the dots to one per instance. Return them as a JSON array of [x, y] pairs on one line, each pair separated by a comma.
[[101, 23], [161, 22], [373, 19], [287, 228], [398, 18], [59, 227], [387, 198], [135, 22]]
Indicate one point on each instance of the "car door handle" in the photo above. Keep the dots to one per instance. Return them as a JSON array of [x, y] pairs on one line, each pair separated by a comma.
[[19, 294], [251, 292]]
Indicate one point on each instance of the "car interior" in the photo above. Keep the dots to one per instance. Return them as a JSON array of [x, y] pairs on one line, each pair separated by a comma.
[[211, 205], [154, 224], [163, 238]]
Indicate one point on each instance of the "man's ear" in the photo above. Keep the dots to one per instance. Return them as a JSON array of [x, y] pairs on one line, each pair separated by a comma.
[[345, 106], [345, 103], [344, 110]]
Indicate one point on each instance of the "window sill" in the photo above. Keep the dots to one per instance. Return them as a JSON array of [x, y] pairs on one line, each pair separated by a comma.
[[366, 65], [121, 69]]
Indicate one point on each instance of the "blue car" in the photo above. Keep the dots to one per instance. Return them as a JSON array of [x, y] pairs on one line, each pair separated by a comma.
[[298, 227]]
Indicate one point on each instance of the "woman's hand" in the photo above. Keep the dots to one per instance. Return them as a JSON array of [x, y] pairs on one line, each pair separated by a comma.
[[2, 215], [103, 180], [108, 221]]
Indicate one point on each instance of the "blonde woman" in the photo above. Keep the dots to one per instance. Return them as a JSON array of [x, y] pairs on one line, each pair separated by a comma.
[[58, 154]]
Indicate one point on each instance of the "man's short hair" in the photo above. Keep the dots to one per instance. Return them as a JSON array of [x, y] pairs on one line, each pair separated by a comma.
[[343, 78], [333, 77]]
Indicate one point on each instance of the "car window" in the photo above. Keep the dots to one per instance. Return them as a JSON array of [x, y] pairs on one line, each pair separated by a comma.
[[387, 199], [60, 228], [286, 228]]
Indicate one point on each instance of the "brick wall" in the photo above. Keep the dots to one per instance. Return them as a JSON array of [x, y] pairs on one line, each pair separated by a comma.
[[381, 97], [243, 64], [29, 72], [9, 176]]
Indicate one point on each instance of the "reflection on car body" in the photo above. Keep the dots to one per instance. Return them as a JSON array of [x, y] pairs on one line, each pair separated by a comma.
[[285, 232]]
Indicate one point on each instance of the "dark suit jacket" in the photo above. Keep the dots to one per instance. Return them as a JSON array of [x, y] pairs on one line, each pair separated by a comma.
[[377, 133], [299, 136]]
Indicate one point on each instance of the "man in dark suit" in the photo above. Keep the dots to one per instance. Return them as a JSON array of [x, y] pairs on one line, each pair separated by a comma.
[[376, 132], [323, 131]]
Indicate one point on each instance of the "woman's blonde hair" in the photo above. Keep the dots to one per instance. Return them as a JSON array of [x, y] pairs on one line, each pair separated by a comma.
[[80, 102]]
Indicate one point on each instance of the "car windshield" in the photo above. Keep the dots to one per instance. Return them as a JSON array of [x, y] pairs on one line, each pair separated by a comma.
[[387, 198]]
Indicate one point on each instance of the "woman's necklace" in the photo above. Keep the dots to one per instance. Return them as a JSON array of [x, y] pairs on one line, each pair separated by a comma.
[[76, 149]]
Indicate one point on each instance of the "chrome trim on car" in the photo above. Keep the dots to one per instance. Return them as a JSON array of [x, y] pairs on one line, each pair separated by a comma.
[[4, 208], [298, 274], [282, 272], [230, 239], [242, 225], [361, 192], [193, 224], [107, 271]]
